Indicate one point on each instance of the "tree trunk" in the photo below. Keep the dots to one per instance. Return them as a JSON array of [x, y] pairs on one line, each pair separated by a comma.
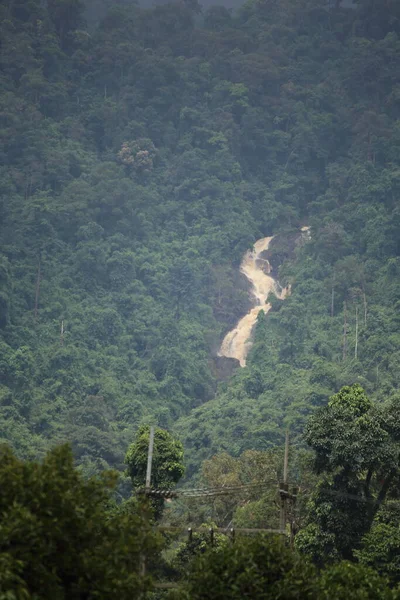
[[37, 290], [345, 332], [368, 483], [356, 346], [383, 493], [365, 309]]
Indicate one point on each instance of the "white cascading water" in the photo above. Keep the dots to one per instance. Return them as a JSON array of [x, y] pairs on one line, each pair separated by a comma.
[[237, 343]]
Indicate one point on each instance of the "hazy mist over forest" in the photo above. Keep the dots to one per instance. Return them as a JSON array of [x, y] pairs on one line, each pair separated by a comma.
[[199, 273], [96, 9]]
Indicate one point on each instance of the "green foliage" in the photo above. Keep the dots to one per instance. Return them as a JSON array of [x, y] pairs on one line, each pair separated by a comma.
[[59, 538], [140, 160], [348, 581], [66, 16], [350, 434], [357, 451], [167, 463], [257, 470], [265, 568], [380, 546], [259, 568], [380, 550], [197, 545]]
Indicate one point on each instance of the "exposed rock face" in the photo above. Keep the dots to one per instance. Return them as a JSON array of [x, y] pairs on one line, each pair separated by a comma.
[[282, 247], [225, 367]]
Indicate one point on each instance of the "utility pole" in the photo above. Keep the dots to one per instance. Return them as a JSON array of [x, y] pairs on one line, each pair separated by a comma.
[[149, 458], [284, 488], [62, 334], [286, 457], [148, 484]]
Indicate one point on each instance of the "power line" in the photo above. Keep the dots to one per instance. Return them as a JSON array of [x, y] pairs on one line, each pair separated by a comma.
[[236, 486], [259, 485], [211, 491], [220, 491]]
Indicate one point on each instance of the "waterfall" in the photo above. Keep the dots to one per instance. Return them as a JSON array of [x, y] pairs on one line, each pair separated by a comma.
[[237, 343]]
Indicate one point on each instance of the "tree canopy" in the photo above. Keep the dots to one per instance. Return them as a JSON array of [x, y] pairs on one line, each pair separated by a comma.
[[59, 537], [357, 451], [143, 152]]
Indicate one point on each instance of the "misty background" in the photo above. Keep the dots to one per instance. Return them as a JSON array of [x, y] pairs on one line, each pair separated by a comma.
[[96, 9]]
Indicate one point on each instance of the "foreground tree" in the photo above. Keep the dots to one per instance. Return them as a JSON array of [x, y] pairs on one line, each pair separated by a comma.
[[265, 569], [380, 547], [250, 568], [356, 448], [58, 537]]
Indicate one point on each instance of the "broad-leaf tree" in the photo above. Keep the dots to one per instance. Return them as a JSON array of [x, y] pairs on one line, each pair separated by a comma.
[[167, 463], [264, 569], [356, 448], [60, 539]]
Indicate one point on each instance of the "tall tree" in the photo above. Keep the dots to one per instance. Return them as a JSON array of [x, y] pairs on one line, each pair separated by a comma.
[[66, 16], [356, 448], [59, 538], [264, 569], [167, 463]]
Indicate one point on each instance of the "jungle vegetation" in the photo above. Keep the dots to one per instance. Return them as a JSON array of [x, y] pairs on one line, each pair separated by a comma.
[[63, 537], [142, 152], [140, 159]]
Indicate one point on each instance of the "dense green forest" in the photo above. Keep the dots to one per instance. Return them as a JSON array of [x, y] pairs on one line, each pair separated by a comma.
[[143, 151], [140, 158]]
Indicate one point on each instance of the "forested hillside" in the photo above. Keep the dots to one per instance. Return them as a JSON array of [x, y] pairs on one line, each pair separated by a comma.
[[141, 155]]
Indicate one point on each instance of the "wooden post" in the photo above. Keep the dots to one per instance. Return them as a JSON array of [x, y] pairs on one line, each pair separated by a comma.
[[283, 511], [286, 458], [150, 458], [232, 532], [293, 499], [148, 484]]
